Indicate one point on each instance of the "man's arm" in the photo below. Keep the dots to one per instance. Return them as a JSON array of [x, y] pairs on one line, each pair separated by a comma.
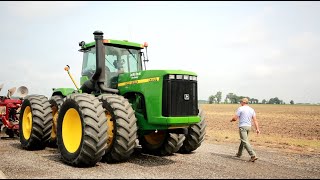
[[256, 124], [234, 118]]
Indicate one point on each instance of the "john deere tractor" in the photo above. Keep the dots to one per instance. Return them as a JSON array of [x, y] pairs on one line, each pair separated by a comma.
[[119, 106]]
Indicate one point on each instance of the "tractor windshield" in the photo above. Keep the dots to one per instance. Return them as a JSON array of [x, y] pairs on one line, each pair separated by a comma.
[[117, 60]]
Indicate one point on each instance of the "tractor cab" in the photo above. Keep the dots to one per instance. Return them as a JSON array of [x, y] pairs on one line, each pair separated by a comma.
[[120, 57]]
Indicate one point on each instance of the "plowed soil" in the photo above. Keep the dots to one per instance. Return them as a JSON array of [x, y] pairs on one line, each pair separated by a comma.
[[294, 128]]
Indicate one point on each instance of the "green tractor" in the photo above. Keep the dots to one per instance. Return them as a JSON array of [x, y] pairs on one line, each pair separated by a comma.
[[120, 106]]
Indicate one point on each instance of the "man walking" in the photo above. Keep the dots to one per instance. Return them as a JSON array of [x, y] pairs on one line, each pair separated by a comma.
[[246, 115]]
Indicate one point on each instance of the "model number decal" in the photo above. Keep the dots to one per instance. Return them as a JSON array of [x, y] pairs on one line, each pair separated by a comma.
[[140, 81], [135, 75]]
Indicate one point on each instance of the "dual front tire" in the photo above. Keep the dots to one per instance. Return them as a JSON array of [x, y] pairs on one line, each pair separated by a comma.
[[81, 130], [164, 143]]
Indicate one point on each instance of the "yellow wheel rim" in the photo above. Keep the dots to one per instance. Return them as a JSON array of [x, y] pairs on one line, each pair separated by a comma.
[[71, 130], [110, 129], [155, 138], [27, 122], [54, 123]]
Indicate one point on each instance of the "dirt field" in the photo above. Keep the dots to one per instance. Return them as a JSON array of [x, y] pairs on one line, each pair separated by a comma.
[[294, 128]]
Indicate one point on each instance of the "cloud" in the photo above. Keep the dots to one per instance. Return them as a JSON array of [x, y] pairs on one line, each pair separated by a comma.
[[305, 40], [251, 31], [262, 71]]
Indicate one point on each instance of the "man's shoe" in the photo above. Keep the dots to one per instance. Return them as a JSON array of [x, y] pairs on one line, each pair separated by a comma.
[[237, 155], [253, 158]]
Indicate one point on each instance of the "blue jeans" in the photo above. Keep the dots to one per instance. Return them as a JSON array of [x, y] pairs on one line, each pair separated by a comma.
[[244, 133]]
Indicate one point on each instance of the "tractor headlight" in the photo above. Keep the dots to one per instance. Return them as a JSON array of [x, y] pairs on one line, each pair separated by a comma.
[[182, 77], [171, 76], [179, 76], [193, 78]]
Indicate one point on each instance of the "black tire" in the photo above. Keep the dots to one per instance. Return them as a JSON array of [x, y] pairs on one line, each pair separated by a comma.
[[10, 133], [82, 130], [163, 143], [35, 122], [56, 102], [16, 132], [122, 127], [195, 136]]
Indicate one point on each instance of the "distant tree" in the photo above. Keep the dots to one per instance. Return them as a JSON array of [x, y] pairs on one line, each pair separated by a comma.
[[254, 101], [218, 96], [275, 100], [264, 101], [232, 98], [291, 102], [226, 100], [271, 101], [211, 99]]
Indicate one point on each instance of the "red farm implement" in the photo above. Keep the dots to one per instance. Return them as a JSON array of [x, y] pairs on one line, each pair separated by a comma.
[[10, 110]]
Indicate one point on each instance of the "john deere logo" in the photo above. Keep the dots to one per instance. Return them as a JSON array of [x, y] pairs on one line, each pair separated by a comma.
[[186, 97]]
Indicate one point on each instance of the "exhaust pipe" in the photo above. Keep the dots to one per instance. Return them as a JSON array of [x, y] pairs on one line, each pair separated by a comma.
[[100, 75]]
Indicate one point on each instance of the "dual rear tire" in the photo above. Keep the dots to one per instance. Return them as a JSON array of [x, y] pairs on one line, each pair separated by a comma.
[[81, 127], [56, 101], [122, 127], [35, 122], [85, 128]]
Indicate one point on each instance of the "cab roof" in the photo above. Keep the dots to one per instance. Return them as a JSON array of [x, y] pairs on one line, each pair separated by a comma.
[[115, 42]]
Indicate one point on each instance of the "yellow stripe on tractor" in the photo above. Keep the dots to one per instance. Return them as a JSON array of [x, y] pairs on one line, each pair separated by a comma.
[[140, 81]]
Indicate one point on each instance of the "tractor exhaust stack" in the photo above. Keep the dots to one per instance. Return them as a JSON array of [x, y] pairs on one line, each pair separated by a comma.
[[99, 75]]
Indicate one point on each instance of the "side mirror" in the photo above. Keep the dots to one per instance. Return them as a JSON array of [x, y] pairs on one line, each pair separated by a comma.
[[82, 43]]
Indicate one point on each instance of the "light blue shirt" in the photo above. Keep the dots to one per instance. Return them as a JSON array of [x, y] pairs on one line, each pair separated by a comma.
[[245, 114]]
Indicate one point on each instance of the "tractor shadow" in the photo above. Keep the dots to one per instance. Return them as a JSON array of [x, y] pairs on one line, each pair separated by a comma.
[[138, 157], [52, 154], [147, 160], [9, 138], [48, 153], [17, 145]]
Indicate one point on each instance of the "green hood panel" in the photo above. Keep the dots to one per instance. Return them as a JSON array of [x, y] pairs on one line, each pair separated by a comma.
[[150, 84], [63, 91]]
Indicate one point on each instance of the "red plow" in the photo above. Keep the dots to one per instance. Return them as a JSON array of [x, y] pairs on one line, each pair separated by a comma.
[[10, 110]]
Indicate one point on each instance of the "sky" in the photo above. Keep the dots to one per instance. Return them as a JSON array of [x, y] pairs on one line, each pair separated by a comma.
[[259, 49]]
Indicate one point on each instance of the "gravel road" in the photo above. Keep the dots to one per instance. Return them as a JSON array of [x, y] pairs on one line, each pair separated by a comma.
[[210, 161]]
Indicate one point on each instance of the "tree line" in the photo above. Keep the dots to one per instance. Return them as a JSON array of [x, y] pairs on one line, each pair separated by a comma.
[[232, 98]]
